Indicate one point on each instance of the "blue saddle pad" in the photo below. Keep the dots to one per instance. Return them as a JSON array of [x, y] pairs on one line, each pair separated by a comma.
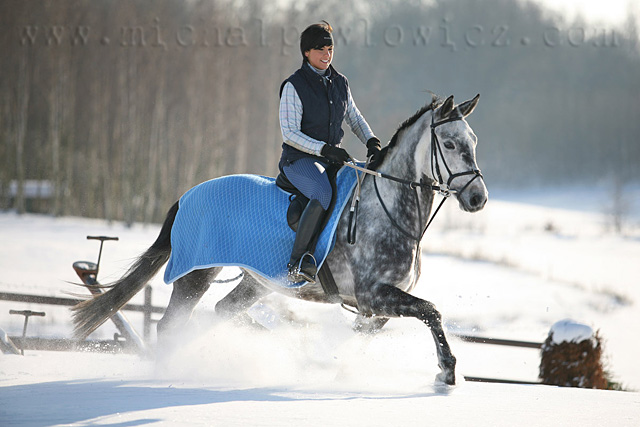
[[241, 220]]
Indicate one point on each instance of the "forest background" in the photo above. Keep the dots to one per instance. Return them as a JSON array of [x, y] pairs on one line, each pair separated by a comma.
[[113, 109]]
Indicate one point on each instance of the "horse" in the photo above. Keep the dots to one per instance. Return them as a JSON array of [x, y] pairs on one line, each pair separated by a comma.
[[432, 151]]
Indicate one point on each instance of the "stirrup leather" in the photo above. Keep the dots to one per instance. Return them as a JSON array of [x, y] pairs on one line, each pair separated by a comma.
[[297, 274]]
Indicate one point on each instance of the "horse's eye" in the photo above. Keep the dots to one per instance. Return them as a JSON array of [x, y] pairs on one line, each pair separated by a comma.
[[449, 145]]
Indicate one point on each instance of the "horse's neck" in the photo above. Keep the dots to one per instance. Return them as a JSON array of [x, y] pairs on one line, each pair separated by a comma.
[[410, 157], [409, 160]]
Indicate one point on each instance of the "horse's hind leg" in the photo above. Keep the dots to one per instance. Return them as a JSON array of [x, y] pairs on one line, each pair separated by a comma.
[[187, 292], [240, 299], [389, 301]]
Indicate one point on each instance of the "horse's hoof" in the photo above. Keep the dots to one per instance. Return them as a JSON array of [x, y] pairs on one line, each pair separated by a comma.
[[448, 378]]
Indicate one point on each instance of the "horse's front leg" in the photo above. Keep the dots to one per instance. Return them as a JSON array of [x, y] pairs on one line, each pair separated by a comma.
[[389, 301]]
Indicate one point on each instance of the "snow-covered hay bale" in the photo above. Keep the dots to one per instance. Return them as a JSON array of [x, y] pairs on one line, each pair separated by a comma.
[[571, 357]]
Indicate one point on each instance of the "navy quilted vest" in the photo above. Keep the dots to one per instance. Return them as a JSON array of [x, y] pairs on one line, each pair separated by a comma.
[[323, 108]]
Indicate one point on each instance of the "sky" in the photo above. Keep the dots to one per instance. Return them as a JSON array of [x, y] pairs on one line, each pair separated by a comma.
[[597, 11]]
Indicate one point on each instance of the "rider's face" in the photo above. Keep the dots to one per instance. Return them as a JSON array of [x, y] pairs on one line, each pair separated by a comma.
[[320, 58]]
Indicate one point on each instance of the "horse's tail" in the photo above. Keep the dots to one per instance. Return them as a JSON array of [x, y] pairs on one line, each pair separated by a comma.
[[90, 314]]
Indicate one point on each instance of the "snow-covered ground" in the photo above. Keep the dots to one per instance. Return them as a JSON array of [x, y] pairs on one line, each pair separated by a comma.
[[510, 271]]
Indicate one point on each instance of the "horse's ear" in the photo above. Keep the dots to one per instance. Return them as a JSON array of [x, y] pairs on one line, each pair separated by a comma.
[[467, 107], [446, 108]]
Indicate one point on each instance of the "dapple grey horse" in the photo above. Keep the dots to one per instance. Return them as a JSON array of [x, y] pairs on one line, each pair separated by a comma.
[[433, 150]]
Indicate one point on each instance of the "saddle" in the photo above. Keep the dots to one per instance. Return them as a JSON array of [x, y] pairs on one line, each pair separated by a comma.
[[298, 201]]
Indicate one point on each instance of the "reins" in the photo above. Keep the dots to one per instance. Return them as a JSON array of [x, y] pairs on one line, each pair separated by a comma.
[[442, 188]]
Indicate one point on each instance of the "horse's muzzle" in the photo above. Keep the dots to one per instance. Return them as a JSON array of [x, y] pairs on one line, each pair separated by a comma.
[[473, 199]]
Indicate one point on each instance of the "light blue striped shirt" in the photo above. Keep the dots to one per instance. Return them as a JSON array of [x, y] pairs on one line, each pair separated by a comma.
[[291, 119]]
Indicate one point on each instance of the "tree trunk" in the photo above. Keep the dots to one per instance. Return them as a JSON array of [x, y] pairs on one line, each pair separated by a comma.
[[22, 105]]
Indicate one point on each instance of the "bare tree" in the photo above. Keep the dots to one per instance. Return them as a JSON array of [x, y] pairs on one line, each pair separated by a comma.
[[21, 106], [619, 206]]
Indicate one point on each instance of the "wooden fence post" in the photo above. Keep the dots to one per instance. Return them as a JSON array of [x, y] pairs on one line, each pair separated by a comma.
[[148, 309]]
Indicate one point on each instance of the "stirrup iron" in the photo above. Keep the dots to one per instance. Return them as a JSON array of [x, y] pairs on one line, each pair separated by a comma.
[[297, 274]]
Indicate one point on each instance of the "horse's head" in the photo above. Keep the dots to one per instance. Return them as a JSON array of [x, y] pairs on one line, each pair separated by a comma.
[[453, 154]]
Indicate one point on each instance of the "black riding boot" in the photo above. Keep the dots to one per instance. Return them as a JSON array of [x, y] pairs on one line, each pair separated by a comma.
[[302, 265]]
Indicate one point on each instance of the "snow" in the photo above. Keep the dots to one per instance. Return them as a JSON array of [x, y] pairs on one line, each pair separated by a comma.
[[568, 330], [123, 390], [511, 271]]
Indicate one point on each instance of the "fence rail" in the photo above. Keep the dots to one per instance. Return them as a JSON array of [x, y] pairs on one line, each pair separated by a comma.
[[38, 299], [116, 345], [498, 341]]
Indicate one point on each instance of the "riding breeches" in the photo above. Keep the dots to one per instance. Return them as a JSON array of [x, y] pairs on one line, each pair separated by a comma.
[[310, 177]]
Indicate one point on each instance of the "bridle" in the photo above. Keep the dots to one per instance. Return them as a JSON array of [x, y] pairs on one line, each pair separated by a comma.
[[444, 189], [436, 148]]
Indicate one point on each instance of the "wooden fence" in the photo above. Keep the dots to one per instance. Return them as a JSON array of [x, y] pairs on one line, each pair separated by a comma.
[[62, 344], [503, 342]]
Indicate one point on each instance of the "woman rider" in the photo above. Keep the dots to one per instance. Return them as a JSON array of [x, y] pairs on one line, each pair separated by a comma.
[[314, 101]]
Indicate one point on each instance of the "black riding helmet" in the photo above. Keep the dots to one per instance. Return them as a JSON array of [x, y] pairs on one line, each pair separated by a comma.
[[316, 36]]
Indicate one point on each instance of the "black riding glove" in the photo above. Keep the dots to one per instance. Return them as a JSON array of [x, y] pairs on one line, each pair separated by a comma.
[[335, 154], [374, 155]]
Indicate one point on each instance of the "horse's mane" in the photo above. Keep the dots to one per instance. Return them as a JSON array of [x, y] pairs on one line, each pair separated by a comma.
[[411, 120], [435, 103]]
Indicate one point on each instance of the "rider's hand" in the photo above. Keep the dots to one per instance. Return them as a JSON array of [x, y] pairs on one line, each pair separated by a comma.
[[374, 155], [335, 154]]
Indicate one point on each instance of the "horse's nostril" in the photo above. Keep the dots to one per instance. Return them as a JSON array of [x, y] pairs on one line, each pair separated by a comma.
[[476, 200]]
